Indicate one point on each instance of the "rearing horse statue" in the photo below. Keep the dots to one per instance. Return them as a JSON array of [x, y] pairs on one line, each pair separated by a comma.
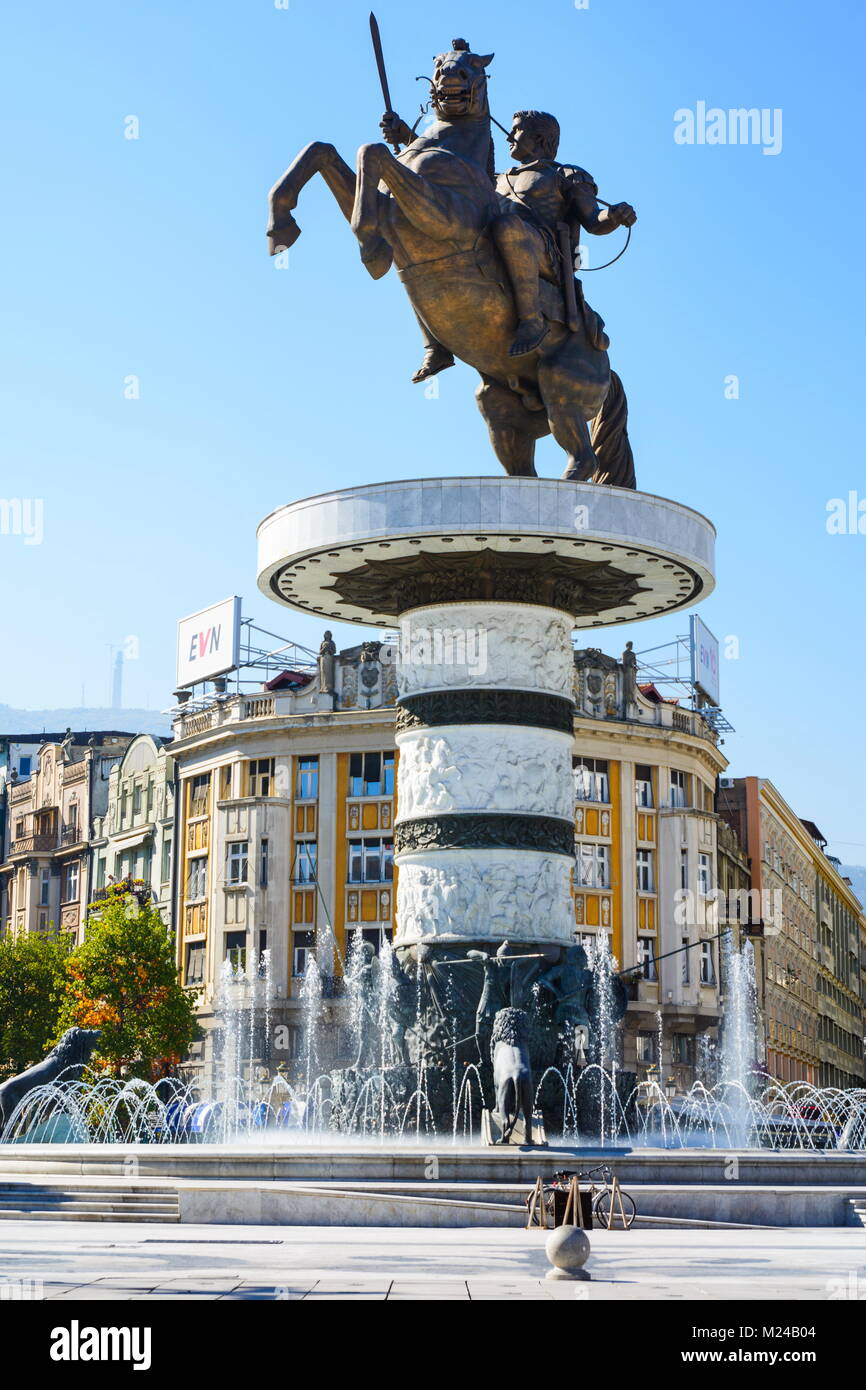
[[430, 210]]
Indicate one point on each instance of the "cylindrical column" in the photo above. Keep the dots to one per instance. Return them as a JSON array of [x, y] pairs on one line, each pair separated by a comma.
[[484, 835]]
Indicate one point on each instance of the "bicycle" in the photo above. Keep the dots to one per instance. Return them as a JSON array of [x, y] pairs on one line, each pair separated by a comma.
[[601, 1194]]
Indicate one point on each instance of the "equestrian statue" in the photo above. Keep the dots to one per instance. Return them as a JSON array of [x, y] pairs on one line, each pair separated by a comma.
[[488, 263]]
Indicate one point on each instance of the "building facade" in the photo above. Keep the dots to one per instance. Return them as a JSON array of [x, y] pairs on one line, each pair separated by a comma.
[[46, 873], [812, 931], [286, 807], [134, 839]]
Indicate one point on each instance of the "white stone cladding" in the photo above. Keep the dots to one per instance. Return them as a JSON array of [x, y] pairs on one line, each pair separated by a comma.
[[481, 768], [458, 894], [484, 770], [491, 646]]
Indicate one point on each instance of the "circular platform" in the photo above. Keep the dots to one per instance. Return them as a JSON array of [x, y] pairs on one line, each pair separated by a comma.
[[367, 554]]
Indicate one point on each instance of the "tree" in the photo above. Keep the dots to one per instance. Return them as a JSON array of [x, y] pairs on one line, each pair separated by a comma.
[[123, 979], [32, 982]]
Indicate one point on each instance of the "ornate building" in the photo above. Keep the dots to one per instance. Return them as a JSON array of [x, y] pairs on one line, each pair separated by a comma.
[[134, 839], [286, 809], [46, 873], [813, 936]]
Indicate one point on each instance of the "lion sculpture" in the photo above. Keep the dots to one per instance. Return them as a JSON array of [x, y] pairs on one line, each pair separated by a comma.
[[512, 1073], [68, 1058]]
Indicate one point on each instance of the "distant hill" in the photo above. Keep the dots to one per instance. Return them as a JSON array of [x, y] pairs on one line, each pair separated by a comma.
[[857, 875], [34, 721]]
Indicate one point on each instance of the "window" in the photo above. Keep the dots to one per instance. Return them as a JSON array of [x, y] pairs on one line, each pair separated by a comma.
[[195, 963], [685, 960], [198, 794], [646, 1048], [304, 945], [645, 878], [371, 861], [679, 788], [196, 878], [592, 865], [305, 861], [591, 780], [684, 1049], [263, 863], [165, 865], [684, 868], [643, 785], [371, 774], [236, 949], [308, 779], [388, 773], [24, 766], [376, 936], [708, 968], [150, 796], [646, 957], [70, 883], [705, 874], [226, 782], [260, 776], [238, 862], [45, 884], [136, 799]]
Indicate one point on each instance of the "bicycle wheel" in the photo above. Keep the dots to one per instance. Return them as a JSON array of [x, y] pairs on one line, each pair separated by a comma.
[[601, 1209]]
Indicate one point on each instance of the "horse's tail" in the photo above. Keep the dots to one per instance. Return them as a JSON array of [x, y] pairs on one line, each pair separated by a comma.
[[610, 442]]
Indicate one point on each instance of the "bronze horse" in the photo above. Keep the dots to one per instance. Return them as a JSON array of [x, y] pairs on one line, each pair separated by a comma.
[[428, 210]]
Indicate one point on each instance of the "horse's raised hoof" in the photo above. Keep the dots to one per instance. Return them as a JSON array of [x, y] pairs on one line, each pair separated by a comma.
[[282, 237], [530, 335], [436, 359], [376, 256]]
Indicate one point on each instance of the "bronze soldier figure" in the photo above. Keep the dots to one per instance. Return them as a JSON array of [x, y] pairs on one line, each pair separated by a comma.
[[543, 200]]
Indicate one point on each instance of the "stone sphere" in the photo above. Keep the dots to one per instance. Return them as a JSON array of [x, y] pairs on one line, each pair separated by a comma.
[[567, 1248]]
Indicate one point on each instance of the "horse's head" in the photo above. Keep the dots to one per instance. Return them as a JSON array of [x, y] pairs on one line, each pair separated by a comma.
[[459, 83]]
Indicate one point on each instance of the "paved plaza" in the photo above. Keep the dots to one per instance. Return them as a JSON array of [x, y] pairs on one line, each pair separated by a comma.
[[106, 1261]]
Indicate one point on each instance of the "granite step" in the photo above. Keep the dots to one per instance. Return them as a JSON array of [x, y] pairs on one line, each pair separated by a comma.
[[87, 1203], [856, 1211]]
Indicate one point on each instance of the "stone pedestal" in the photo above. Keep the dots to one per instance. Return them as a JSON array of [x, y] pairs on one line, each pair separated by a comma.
[[485, 578], [485, 816]]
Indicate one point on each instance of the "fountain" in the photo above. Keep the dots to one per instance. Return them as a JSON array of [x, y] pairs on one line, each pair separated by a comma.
[[392, 1090]]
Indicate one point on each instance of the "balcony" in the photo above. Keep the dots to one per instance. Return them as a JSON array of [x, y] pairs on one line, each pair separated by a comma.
[[43, 843]]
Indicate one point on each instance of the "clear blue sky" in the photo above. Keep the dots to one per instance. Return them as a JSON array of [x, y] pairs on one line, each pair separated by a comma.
[[148, 257]]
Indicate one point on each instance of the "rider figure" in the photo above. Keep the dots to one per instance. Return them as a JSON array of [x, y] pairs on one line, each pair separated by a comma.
[[537, 195]]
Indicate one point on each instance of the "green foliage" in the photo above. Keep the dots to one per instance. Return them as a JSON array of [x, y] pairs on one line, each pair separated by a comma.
[[123, 979], [32, 984]]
